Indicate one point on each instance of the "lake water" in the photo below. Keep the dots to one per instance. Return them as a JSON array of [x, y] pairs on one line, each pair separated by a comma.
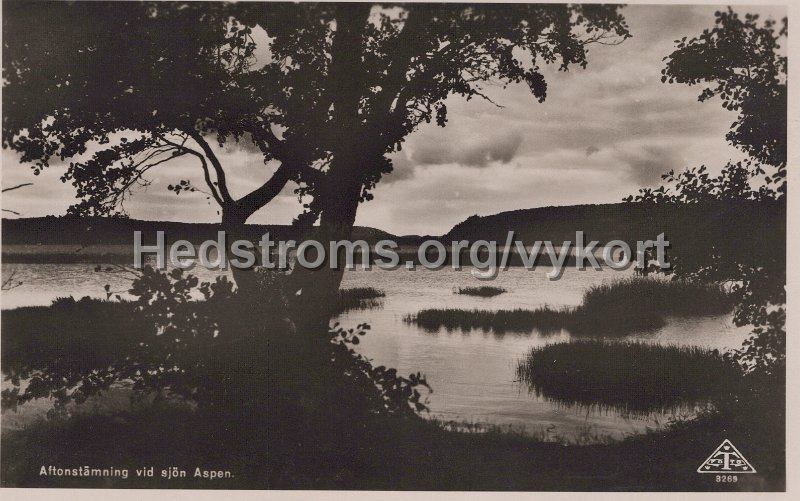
[[473, 373]]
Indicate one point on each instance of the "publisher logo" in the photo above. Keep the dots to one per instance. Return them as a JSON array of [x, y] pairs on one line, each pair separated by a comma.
[[726, 459]]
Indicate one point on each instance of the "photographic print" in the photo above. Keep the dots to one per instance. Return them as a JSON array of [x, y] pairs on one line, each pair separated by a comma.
[[394, 246]]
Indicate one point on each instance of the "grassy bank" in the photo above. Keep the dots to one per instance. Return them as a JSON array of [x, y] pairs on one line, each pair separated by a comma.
[[615, 309], [88, 332], [630, 376]]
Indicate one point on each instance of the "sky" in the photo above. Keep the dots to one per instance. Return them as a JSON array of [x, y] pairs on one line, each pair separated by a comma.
[[603, 133]]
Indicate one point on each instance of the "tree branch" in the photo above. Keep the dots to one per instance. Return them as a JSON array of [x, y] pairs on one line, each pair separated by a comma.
[[264, 194], [400, 63], [209, 153], [22, 185], [206, 174]]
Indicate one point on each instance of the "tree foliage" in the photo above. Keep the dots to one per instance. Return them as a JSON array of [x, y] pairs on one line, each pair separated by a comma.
[[118, 89], [199, 342], [738, 60]]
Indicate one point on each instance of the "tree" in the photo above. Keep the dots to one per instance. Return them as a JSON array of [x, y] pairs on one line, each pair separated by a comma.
[[120, 88], [385, 72], [341, 87], [739, 61]]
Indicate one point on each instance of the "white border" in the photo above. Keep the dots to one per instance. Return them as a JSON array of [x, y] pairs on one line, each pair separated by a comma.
[[793, 353]]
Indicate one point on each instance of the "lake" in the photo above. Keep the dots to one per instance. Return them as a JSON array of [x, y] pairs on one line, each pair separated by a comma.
[[473, 373]]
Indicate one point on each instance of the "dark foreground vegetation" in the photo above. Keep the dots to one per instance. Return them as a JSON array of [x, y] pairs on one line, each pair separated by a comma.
[[631, 376], [382, 452], [484, 291], [283, 419], [616, 309]]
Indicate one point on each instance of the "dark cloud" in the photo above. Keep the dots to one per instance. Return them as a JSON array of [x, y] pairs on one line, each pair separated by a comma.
[[402, 169], [470, 152], [648, 163], [591, 150]]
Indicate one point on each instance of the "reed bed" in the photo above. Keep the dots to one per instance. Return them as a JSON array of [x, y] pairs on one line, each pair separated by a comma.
[[502, 321], [359, 298], [608, 310], [630, 376], [485, 291]]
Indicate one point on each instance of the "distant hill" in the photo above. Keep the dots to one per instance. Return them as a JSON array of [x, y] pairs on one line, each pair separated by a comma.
[[73, 230], [762, 222], [753, 230]]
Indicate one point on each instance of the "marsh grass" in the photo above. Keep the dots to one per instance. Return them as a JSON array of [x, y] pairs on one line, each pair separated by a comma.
[[611, 310], [634, 377], [668, 297], [485, 291], [502, 321], [359, 298]]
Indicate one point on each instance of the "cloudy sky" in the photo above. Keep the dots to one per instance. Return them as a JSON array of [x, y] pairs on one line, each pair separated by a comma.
[[603, 133]]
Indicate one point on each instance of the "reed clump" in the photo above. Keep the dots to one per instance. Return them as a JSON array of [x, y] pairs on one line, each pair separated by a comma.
[[630, 376], [484, 291], [359, 298], [608, 310]]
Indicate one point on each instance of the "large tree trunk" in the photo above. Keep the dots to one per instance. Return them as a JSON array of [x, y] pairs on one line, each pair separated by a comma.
[[341, 189], [318, 290], [233, 222]]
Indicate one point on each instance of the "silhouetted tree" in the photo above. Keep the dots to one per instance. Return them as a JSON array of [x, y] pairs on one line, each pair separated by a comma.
[[739, 60], [338, 87], [377, 74]]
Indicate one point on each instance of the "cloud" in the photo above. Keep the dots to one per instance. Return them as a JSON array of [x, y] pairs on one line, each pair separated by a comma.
[[591, 150], [442, 196], [402, 169], [469, 151], [646, 164]]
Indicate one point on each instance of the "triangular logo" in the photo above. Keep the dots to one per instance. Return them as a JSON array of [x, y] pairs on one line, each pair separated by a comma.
[[726, 459]]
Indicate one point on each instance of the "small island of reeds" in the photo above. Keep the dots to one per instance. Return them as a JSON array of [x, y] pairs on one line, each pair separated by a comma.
[[360, 298], [483, 291], [631, 376], [612, 310]]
